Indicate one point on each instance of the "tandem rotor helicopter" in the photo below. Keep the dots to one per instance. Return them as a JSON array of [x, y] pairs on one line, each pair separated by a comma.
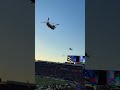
[[50, 25]]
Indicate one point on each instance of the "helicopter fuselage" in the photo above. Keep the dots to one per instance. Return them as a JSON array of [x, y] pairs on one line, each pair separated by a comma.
[[50, 26]]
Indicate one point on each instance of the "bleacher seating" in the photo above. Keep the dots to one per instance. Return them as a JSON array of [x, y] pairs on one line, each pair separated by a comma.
[[59, 70]]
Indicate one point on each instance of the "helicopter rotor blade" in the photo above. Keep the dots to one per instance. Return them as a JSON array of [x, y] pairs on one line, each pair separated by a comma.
[[57, 24], [48, 20], [43, 22]]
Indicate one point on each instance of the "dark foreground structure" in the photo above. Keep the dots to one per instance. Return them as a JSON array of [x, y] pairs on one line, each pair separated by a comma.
[[11, 85]]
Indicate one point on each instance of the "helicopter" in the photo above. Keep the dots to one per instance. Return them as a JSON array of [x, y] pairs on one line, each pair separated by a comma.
[[50, 25], [70, 49]]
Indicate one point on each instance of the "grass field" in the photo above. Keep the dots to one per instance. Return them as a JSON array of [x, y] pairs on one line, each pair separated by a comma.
[[44, 81]]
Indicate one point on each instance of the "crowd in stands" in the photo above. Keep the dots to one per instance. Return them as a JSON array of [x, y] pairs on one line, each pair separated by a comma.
[[70, 86], [61, 71]]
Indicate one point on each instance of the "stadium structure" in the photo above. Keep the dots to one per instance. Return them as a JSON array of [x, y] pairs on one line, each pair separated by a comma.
[[17, 67], [65, 71], [75, 71], [102, 39]]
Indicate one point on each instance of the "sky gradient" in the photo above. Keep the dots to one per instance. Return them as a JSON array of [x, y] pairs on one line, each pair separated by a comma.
[[53, 45]]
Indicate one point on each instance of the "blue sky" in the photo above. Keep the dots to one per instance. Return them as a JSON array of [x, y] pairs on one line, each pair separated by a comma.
[[53, 45]]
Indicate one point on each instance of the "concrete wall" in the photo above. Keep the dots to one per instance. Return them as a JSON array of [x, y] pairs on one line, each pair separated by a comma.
[[102, 34], [17, 40]]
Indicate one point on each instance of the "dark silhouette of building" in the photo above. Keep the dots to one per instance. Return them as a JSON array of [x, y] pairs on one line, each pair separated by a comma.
[[11, 85]]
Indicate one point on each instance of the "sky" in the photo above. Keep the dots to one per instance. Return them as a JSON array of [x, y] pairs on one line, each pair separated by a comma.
[[53, 45]]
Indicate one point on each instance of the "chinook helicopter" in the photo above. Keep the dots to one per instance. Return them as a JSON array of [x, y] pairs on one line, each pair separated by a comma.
[[50, 25]]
